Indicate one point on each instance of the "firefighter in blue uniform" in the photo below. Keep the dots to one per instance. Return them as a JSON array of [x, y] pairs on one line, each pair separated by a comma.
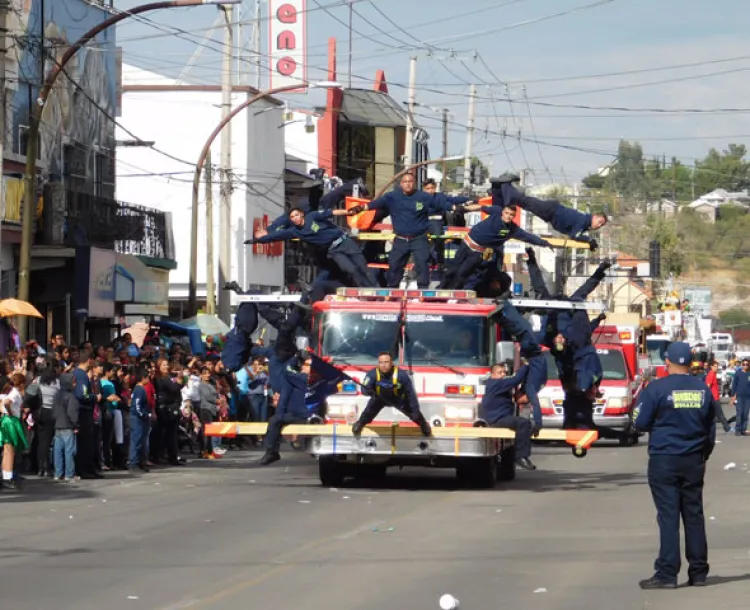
[[519, 328], [678, 413], [291, 408], [492, 232], [410, 210], [389, 386], [437, 220], [316, 228], [499, 410], [566, 220]]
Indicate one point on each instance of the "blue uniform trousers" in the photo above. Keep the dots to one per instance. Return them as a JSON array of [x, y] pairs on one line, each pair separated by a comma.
[[419, 248], [676, 483], [743, 407], [461, 269], [522, 427], [272, 440], [349, 258], [375, 405]]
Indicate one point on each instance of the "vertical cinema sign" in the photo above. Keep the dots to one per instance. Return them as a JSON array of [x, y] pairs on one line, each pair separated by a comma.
[[288, 43]]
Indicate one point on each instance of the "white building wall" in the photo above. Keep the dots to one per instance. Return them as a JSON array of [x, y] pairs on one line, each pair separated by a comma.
[[179, 122], [298, 142]]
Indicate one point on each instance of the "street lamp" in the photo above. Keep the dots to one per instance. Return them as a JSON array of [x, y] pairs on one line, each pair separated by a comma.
[[193, 281], [29, 203]]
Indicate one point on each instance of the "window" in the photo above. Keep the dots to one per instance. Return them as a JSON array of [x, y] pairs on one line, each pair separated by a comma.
[[23, 142]]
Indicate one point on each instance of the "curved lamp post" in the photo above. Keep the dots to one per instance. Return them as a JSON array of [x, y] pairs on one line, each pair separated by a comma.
[[193, 281], [29, 203]]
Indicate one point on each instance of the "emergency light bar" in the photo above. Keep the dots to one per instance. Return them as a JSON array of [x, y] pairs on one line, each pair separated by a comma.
[[267, 298], [395, 293]]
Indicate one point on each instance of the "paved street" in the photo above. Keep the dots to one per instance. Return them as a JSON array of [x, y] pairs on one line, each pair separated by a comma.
[[577, 534]]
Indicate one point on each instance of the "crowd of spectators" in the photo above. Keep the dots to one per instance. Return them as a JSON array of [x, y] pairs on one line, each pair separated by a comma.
[[71, 413]]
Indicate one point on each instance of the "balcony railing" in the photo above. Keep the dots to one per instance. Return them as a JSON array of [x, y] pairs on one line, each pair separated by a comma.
[[78, 219]]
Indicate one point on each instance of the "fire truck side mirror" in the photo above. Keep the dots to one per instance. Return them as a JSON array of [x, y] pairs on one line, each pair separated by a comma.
[[303, 343], [505, 351]]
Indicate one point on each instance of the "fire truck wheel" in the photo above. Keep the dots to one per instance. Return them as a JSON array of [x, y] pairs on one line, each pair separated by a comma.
[[580, 452], [330, 471], [479, 473], [370, 471], [506, 464]]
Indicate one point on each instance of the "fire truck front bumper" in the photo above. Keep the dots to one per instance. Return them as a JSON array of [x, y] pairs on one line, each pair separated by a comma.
[[385, 447]]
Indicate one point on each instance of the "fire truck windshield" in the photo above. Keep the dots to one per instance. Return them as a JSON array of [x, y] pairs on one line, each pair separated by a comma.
[[613, 364], [433, 339]]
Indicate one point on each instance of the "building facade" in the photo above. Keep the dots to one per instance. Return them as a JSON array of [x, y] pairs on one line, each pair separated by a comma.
[[179, 120], [80, 227]]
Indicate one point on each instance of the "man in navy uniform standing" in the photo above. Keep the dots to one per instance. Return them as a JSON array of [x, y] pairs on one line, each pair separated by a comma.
[[678, 411]]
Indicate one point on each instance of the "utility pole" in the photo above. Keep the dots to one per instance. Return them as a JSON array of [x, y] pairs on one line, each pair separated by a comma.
[[445, 149], [469, 138], [210, 288], [4, 5], [409, 145], [225, 204], [256, 44], [351, 18]]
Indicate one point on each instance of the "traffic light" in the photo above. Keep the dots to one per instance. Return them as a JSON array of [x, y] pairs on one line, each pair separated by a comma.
[[654, 258]]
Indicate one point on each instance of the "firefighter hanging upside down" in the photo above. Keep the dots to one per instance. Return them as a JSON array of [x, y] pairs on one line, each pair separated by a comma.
[[389, 386]]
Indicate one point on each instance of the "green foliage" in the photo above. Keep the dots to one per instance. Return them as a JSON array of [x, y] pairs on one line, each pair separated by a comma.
[[635, 179], [727, 170], [594, 181], [734, 317], [450, 185]]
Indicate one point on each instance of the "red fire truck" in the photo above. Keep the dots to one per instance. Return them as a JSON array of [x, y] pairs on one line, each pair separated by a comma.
[[449, 342]]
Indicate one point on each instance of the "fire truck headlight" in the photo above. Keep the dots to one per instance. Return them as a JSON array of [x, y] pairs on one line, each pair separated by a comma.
[[617, 402], [455, 413], [340, 411]]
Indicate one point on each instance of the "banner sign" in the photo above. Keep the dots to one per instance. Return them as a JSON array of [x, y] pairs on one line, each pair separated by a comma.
[[287, 40]]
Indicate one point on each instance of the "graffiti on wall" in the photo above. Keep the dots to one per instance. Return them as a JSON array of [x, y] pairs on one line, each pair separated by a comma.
[[73, 124]]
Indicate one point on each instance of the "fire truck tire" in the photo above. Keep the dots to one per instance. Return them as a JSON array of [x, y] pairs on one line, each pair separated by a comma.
[[580, 452], [506, 464], [330, 471], [479, 473], [370, 471]]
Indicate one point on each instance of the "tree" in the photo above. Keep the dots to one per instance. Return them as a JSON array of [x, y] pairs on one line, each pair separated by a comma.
[[452, 185], [734, 317], [628, 176], [727, 170], [594, 181]]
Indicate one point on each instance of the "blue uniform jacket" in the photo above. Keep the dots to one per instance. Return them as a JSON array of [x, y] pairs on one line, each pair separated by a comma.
[[741, 384], [678, 411], [409, 213], [566, 220], [498, 396], [536, 379], [492, 232], [318, 230], [82, 391], [395, 394], [292, 393]]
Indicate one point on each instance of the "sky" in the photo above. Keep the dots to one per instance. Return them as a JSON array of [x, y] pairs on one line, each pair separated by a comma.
[[550, 74]]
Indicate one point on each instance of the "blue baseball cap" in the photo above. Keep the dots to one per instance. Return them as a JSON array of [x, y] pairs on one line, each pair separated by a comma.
[[679, 353]]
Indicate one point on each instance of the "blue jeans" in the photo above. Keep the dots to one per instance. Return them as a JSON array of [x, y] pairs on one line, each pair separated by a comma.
[[742, 406], [676, 483], [259, 407], [64, 450], [139, 431]]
